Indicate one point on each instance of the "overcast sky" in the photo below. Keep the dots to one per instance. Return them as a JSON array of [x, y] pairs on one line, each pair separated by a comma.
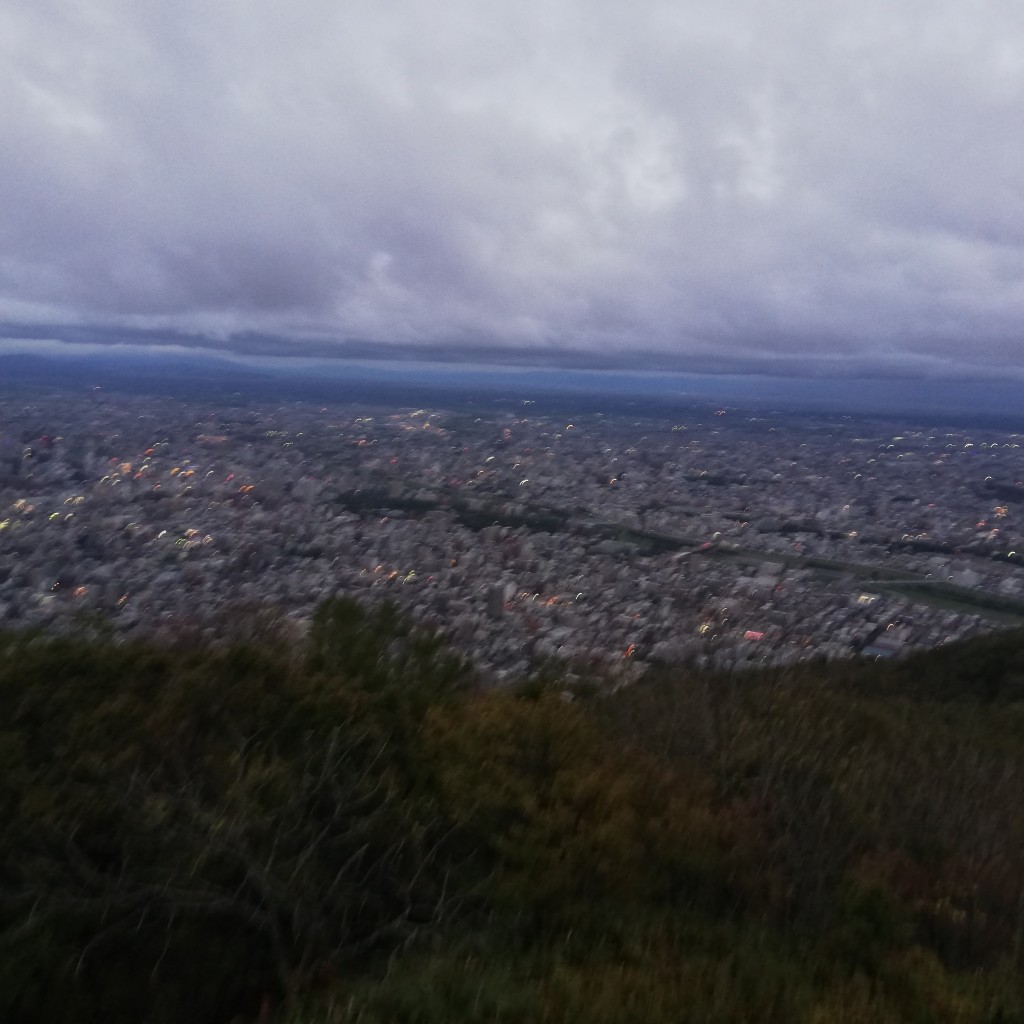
[[741, 185]]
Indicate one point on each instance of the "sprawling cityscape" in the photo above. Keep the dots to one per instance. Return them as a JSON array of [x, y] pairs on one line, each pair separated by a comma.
[[621, 537]]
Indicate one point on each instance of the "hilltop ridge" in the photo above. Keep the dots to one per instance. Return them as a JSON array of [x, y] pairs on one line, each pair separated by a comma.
[[350, 829]]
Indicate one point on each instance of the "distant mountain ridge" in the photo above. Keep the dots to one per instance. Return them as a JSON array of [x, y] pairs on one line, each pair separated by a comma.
[[178, 370]]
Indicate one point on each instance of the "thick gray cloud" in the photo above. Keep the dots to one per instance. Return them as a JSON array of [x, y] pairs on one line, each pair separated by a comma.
[[729, 183]]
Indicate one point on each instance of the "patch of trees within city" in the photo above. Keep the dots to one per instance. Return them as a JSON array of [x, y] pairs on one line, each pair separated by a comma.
[[350, 829]]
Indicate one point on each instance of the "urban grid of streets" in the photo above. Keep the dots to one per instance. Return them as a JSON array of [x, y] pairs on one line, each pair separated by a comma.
[[609, 540]]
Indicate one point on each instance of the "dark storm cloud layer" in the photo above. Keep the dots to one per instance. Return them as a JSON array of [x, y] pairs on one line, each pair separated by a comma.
[[714, 183]]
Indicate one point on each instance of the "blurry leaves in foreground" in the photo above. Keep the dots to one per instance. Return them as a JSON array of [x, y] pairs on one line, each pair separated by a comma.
[[345, 828]]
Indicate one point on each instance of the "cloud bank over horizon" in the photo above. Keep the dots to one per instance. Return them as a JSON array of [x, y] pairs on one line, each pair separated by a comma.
[[834, 190]]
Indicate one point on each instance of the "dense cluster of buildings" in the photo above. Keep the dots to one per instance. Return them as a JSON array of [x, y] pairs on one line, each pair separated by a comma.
[[608, 539]]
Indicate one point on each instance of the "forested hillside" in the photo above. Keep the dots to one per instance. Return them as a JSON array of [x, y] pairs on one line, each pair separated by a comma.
[[352, 830]]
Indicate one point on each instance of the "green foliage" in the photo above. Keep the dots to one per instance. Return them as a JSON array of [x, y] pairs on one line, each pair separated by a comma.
[[165, 805], [405, 668], [352, 832]]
